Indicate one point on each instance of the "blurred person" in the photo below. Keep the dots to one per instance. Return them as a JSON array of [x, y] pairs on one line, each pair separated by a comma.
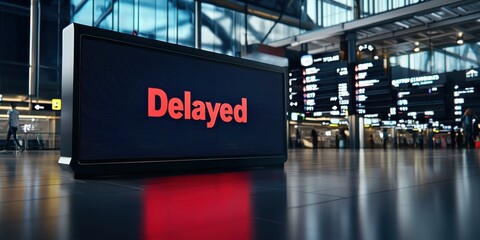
[[420, 139], [298, 138], [414, 139], [385, 138], [469, 120], [337, 140], [314, 135], [372, 142], [452, 137], [13, 119], [459, 139], [342, 138]]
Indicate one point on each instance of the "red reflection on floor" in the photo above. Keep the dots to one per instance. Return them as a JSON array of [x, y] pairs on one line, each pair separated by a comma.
[[214, 206]]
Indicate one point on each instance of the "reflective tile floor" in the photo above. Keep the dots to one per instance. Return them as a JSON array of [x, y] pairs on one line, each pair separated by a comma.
[[324, 194]]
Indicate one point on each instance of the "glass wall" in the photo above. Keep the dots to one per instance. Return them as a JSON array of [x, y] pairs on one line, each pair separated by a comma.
[[15, 45], [372, 7], [459, 57], [222, 30], [171, 21], [327, 13]]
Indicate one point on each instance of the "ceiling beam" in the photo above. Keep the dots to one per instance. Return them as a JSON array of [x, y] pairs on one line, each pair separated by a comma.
[[262, 13], [375, 20], [419, 29]]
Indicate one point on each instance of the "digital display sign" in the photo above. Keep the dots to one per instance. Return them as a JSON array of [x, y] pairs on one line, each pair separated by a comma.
[[373, 91], [472, 74], [138, 100], [320, 86], [295, 90], [421, 103], [421, 97], [465, 96]]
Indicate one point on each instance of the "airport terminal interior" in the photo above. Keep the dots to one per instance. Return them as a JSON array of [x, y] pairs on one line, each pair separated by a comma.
[[374, 105]]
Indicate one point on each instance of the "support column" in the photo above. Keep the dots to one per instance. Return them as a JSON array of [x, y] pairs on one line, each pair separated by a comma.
[[198, 24], [34, 49], [356, 9], [356, 126]]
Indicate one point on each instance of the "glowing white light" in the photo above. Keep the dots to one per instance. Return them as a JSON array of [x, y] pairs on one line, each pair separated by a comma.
[[429, 113], [306, 60]]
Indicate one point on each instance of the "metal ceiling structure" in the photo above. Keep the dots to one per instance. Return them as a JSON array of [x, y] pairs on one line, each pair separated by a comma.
[[433, 24], [288, 12]]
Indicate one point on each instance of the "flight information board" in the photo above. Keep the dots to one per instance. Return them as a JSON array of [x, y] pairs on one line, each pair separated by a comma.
[[320, 87], [295, 90], [466, 97], [466, 94], [420, 97], [373, 92]]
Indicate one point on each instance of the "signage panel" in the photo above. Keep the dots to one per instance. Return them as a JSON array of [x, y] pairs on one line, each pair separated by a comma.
[[373, 92], [421, 97], [142, 101], [324, 87]]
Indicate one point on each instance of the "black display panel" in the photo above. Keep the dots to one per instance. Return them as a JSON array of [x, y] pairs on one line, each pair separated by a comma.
[[295, 90], [421, 103], [320, 86], [466, 96], [139, 101], [421, 98], [373, 90], [465, 93]]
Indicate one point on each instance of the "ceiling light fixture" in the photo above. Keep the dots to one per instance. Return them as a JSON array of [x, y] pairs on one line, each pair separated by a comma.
[[460, 38], [294, 44], [417, 47]]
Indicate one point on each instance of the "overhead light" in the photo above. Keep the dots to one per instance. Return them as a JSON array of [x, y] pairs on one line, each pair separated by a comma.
[[436, 15], [293, 44], [375, 57], [417, 47], [306, 60], [401, 24], [460, 38]]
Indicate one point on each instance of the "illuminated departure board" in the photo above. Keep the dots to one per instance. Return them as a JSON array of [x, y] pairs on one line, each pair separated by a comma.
[[466, 94], [420, 97], [295, 90], [324, 86], [472, 75], [373, 91]]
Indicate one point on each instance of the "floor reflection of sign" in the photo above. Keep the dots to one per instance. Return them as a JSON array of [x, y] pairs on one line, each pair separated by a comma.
[[56, 104]]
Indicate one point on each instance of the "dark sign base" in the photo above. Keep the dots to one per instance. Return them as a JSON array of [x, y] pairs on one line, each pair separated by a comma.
[[166, 168]]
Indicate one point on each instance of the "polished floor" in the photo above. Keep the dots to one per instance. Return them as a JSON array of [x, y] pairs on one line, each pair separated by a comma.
[[323, 194]]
